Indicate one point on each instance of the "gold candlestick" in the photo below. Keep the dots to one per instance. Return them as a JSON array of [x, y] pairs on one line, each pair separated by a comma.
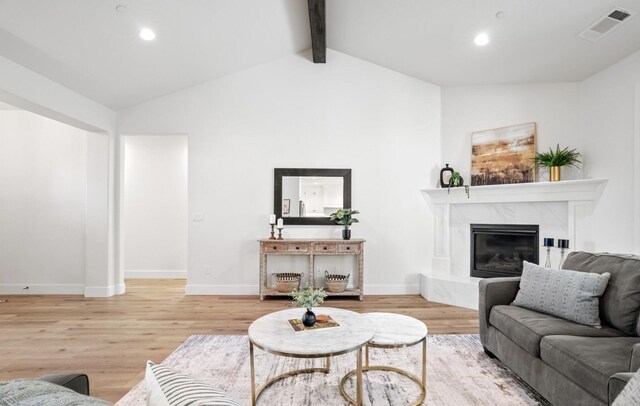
[[280, 234], [273, 234]]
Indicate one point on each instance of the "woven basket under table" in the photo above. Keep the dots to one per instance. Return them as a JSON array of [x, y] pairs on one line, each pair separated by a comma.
[[287, 281], [336, 283]]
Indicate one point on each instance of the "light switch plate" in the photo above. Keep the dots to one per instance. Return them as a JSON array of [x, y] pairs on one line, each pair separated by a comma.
[[198, 217]]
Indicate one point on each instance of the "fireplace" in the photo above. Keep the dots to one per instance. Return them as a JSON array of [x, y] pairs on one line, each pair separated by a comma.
[[499, 249]]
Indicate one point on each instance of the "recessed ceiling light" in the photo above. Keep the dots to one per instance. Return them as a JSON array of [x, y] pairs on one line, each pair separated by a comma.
[[481, 39], [147, 34], [121, 8], [501, 14]]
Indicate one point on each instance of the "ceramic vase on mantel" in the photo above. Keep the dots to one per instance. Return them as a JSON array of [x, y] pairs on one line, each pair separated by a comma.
[[309, 318], [346, 233], [554, 173]]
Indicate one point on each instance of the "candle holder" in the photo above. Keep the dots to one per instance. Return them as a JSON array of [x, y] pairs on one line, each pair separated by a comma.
[[561, 258], [280, 234], [548, 242], [547, 263], [273, 234], [563, 245]]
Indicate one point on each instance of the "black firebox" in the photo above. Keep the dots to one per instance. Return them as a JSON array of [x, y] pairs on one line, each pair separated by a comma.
[[499, 249]]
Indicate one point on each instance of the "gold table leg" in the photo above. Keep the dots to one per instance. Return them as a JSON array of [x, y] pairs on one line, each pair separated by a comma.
[[359, 384], [253, 375], [366, 351], [424, 365]]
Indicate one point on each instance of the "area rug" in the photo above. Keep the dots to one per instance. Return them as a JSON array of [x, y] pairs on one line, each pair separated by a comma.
[[458, 373]]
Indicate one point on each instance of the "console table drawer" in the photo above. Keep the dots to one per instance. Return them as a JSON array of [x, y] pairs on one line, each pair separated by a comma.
[[298, 247], [325, 248], [349, 248], [274, 247]]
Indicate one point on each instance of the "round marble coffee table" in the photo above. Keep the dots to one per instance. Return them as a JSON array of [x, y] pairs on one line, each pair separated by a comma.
[[273, 334], [395, 331]]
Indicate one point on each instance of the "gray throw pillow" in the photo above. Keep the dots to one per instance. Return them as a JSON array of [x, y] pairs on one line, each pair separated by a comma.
[[570, 295], [630, 395]]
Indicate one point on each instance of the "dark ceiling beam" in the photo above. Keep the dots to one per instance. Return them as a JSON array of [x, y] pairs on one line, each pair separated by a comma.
[[318, 30]]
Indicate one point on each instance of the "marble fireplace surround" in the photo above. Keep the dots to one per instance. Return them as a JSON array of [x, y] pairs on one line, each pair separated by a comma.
[[561, 209]]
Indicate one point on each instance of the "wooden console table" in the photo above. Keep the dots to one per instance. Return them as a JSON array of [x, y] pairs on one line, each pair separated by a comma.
[[311, 248]]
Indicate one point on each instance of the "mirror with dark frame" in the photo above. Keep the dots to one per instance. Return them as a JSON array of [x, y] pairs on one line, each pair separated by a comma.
[[309, 196]]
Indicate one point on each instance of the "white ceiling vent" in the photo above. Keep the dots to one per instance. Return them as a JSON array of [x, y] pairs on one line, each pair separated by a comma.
[[606, 24]]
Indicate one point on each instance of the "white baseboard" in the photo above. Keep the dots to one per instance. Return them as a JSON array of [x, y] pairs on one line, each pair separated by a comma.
[[151, 274], [253, 290], [99, 291], [41, 289], [120, 289]]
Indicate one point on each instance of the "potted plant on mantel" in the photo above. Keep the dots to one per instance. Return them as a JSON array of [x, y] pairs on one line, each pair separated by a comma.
[[456, 180], [345, 218], [554, 160]]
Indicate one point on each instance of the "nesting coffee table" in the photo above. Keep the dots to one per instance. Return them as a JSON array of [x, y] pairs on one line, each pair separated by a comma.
[[273, 334], [395, 331]]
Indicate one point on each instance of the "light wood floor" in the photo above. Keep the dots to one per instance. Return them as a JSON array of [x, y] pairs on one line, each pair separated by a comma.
[[111, 338]]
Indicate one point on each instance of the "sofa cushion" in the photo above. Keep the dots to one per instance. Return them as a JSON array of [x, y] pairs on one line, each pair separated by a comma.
[[568, 294], [620, 303], [527, 327], [588, 361]]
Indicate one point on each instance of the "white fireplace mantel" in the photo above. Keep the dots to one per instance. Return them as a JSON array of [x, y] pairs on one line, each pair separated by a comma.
[[515, 203], [563, 191]]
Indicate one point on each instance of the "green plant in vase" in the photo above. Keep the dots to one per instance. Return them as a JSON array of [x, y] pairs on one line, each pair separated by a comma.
[[345, 218], [456, 180], [554, 160], [308, 298]]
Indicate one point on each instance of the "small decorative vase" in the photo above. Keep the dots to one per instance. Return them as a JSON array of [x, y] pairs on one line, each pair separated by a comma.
[[346, 233], [554, 173], [309, 318], [445, 175]]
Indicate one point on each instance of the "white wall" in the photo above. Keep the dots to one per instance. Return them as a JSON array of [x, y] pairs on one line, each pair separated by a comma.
[[43, 188], [607, 107], [30, 91], [155, 206], [466, 109], [293, 113]]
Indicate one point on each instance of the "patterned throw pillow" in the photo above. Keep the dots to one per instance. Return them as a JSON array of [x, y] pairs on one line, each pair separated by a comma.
[[630, 395], [568, 294], [168, 387]]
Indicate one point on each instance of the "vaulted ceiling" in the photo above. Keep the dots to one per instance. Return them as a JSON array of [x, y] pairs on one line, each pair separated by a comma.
[[95, 50]]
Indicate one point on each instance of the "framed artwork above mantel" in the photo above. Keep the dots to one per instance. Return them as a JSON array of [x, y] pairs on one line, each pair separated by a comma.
[[503, 155]]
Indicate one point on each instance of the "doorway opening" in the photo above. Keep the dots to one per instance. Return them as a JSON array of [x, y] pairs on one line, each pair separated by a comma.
[[154, 204]]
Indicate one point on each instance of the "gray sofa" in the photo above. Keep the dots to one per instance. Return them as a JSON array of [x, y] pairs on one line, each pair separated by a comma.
[[566, 362]]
